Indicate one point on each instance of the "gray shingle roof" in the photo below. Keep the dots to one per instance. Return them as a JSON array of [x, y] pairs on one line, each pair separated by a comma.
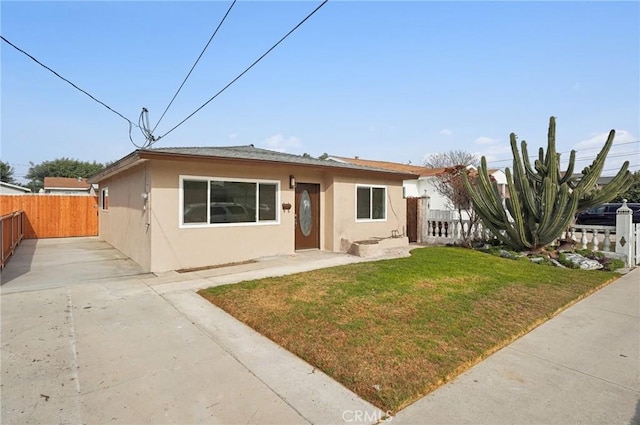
[[250, 152], [246, 153]]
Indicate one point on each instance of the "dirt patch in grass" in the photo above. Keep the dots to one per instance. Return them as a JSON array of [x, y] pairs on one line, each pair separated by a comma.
[[394, 330]]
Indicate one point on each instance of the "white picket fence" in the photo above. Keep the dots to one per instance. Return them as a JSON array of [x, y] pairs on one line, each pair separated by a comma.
[[443, 227]]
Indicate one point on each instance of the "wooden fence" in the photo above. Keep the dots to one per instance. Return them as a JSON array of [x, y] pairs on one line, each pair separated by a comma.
[[11, 233], [54, 216]]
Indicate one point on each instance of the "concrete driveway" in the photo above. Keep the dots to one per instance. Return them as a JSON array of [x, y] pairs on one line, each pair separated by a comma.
[[86, 339]]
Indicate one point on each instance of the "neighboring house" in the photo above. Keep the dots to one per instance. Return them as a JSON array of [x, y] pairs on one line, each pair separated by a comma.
[[501, 179], [421, 184], [183, 208], [12, 189], [68, 186], [425, 182]]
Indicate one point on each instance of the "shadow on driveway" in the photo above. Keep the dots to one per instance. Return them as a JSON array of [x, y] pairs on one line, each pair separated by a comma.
[[20, 262]]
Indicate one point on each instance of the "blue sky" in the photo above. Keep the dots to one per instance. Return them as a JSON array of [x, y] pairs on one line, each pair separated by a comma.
[[383, 80]]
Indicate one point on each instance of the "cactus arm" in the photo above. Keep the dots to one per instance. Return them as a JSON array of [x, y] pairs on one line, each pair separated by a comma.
[[549, 192], [590, 174], [521, 178], [489, 197], [552, 161], [525, 158], [561, 221], [518, 231], [567, 175], [619, 184]]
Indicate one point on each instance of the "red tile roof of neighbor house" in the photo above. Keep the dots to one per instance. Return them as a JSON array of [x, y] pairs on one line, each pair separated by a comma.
[[66, 183], [420, 170]]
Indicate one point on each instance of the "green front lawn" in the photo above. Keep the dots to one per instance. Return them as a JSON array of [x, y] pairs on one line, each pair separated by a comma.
[[394, 330]]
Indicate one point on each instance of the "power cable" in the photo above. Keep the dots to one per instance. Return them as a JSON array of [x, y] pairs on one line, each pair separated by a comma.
[[615, 155], [246, 70], [73, 85], [194, 65], [581, 150]]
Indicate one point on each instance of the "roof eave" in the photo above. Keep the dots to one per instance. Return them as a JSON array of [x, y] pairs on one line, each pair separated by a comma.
[[119, 166], [148, 154]]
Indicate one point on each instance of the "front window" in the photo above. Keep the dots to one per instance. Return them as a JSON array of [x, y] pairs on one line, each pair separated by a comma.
[[371, 203], [217, 201]]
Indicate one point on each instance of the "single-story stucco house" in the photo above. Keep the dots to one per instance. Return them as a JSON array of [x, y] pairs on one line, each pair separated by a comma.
[[183, 208]]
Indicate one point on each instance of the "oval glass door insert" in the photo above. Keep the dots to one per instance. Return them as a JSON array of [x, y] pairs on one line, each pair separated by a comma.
[[304, 213]]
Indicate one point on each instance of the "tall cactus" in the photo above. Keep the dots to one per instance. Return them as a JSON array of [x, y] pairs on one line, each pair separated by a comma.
[[543, 200]]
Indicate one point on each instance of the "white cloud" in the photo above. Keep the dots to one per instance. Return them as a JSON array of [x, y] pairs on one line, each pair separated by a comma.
[[446, 132], [233, 136], [598, 140], [498, 156], [279, 143], [482, 140]]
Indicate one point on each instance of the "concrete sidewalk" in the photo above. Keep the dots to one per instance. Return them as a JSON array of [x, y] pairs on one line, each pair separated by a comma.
[[88, 337]]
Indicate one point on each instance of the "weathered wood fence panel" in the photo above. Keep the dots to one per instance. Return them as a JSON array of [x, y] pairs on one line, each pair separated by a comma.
[[54, 216]]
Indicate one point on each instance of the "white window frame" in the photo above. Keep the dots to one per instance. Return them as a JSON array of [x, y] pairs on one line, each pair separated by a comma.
[[370, 187], [104, 194], [183, 225]]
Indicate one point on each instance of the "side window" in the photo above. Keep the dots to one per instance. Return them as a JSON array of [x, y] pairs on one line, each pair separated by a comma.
[[104, 199], [371, 203]]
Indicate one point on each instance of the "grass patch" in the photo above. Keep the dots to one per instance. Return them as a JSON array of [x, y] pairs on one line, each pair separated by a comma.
[[394, 330]]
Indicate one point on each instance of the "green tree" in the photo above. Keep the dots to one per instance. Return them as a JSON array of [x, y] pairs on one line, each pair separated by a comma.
[[633, 193], [543, 200], [60, 167], [6, 172]]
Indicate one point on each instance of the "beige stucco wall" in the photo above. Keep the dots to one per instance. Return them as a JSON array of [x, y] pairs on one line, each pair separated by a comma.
[[344, 211], [164, 244], [124, 224], [179, 248]]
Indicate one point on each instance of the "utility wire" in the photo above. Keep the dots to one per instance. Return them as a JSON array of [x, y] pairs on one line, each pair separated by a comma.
[[615, 155], [64, 79], [581, 150], [194, 65], [246, 70]]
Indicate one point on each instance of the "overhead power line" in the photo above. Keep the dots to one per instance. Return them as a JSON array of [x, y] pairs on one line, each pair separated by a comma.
[[246, 70], [69, 82], [194, 65], [577, 151]]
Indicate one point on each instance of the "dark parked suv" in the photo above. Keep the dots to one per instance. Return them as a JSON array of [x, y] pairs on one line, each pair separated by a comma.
[[605, 214]]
